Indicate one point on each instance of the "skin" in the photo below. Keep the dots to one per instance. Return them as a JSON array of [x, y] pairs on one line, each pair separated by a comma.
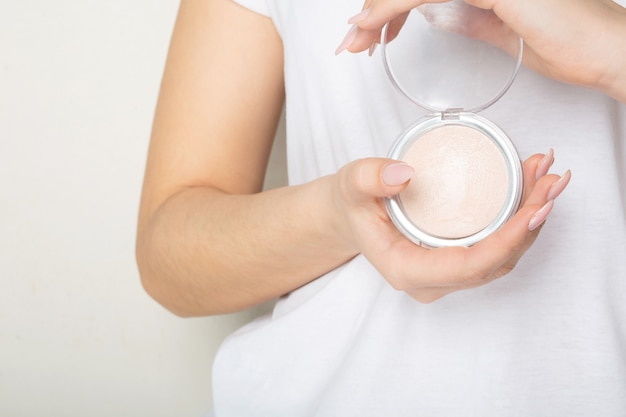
[[575, 41], [209, 241]]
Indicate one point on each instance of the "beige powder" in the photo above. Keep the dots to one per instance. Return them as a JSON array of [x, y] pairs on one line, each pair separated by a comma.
[[460, 183]]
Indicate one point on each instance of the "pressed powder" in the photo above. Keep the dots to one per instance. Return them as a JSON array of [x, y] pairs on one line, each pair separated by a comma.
[[468, 178], [460, 182]]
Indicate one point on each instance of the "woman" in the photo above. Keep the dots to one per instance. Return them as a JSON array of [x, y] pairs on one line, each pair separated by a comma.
[[369, 323]]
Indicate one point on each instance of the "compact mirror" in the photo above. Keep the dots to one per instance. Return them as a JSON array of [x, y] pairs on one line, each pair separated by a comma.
[[436, 66], [468, 175]]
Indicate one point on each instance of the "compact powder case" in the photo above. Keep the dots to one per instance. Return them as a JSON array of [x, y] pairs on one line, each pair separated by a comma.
[[468, 177]]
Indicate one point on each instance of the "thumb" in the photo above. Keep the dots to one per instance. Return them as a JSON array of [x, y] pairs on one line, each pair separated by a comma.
[[375, 177]]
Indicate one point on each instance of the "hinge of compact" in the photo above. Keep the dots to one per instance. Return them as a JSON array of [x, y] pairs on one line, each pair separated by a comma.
[[451, 114]]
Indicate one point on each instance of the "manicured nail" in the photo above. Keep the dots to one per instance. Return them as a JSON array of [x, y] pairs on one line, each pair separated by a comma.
[[558, 187], [372, 48], [544, 165], [348, 39], [358, 17], [397, 173], [540, 216]]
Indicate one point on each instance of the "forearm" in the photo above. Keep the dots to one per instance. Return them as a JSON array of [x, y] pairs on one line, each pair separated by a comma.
[[205, 252]]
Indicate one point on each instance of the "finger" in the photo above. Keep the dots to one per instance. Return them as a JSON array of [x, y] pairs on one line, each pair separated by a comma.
[[363, 40], [452, 16], [362, 35], [547, 188], [358, 39], [472, 22], [381, 12], [395, 25], [534, 168], [498, 254], [544, 164], [451, 269], [539, 202], [439, 272], [369, 178], [512, 252], [456, 267]]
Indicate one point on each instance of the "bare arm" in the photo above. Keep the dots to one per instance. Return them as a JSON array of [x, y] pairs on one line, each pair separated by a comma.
[[204, 230]]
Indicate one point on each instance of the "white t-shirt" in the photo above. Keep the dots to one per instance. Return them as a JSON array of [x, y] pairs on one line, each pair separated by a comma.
[[548, 339]]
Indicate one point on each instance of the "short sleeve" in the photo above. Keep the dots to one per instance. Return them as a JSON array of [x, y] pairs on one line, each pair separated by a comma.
[[258, 6]]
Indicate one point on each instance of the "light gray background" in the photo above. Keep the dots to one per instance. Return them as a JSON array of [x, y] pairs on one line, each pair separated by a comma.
[[78, 336]]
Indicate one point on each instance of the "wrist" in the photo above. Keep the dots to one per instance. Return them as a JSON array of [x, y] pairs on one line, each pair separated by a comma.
[[613, 82], [335, 219]]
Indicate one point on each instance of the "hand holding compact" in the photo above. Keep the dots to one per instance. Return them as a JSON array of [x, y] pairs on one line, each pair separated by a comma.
[[559, 35], [428, 274]]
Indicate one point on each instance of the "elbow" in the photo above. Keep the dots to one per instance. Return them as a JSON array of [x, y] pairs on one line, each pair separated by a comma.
[[160, 286], [154, 290], [179, 291], [151, 284], [172, 300]]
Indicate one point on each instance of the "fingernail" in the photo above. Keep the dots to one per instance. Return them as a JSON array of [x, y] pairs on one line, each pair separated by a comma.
[[544, 165], [558, 187], [372, 48], [540, 216], [358, 17], [397, 173], [347, 40]]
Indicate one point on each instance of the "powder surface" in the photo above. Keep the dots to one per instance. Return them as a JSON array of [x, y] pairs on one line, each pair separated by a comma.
[[460, 183]]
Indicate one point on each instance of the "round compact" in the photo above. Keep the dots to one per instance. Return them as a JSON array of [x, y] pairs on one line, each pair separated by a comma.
[[468, 177]]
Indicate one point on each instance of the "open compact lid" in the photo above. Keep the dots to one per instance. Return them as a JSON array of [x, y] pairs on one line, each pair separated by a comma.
[[438, 61]]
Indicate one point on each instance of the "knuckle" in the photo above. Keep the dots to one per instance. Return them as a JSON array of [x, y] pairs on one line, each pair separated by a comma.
[[354, 181]]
